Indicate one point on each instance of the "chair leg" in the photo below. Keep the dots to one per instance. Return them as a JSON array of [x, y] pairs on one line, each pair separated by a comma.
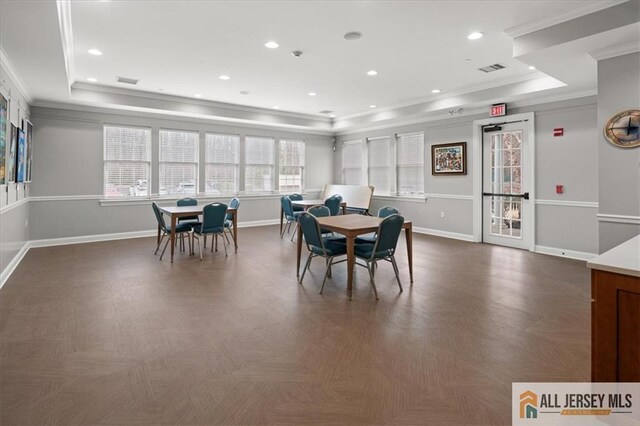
[[373, 282], [395, 269], [159, 243], [225, 245], [295, 230], [200, 248], [306, 266], [227, 237], [205, 240], [326, 273], [165, 248]]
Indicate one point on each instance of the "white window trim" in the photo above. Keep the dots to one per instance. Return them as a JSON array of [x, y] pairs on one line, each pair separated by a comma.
[[392, 165], [304, 166], [364, 169], [205, 163], [160, 130], [243, 191], [132, 198], [396, 138]]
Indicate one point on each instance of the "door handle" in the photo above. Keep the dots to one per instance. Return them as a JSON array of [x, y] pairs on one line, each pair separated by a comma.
[[493, 194]]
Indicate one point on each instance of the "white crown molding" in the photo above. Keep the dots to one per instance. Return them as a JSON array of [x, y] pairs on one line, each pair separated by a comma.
[[563, 203], [66, 33], [613, 51], [618, 218], [538, 24], [13, 75], [569, 254]]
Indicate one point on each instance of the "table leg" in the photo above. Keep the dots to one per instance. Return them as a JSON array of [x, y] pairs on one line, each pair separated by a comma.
[[158, 241], [234, 220], [344, 209], [281, 219], [298, 250], [351, 260], [409, 237], [173, 235]]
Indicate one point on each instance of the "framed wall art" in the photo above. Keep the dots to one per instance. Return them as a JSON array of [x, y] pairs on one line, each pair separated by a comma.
[[4, 116], [449, 159], [27, 126], [12, 155], [21, 158]]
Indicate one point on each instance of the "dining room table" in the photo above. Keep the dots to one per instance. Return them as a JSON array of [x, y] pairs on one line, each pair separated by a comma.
[[306, 205], [176, 212], [351, 226]]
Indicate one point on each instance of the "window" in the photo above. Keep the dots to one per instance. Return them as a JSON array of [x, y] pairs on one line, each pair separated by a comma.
[[291, 176], [259, 158], [127, 161], [379, 160], [222, 164], [352, 163], [410, 164], [178, 162]]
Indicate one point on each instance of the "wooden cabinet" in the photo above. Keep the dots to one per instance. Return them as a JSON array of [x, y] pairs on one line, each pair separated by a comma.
[[615, 327]]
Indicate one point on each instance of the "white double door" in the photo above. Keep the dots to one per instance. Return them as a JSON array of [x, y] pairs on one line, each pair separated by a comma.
[[506, 207]]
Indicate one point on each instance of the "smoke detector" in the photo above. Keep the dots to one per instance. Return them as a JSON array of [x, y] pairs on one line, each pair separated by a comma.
[[297, 53]]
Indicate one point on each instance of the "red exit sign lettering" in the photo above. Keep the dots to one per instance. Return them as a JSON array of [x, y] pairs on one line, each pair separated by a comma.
[[498, 110]]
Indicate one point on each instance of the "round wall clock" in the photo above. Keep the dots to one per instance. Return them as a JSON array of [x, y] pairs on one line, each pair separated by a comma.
[[623, 129]]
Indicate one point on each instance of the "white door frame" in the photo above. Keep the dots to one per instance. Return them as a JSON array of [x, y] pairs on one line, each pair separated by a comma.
[[529, 155]]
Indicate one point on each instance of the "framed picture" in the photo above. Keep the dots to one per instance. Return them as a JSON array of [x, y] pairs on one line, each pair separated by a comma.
[[21, 159], [12, 155], [27, 126], [449, 159], [4, 115]]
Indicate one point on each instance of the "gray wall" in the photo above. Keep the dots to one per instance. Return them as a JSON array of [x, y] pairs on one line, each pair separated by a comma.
[[68, 173], [14, 211], [618, 168], [565, 222]]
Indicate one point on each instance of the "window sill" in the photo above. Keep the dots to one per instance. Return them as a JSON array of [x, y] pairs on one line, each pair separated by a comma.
[[172, 199], [407, 198]]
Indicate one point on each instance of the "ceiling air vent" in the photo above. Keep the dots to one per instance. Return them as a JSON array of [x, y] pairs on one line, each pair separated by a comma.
[[492, 68], [126, 80], [326, 111]]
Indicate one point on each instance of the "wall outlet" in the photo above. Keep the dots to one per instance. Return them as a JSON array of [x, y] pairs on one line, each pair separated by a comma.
[[442, 215]]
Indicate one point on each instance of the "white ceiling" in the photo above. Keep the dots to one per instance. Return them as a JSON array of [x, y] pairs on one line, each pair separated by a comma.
[[182, 47]]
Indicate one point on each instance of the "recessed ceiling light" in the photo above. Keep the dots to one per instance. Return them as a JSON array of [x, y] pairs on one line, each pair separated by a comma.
[[332, 116], [353, 35], [271, 45], [91, 79], [95, 52], [244, 92], [475, 35], [197, 95], [531, 67], [276, 107], [372, 106], [372, 72], [436, 91], [224, 77], [312, 93]]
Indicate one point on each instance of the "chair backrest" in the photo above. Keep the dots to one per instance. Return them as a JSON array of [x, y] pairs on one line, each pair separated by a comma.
[[213, 216], [295, 197], [287, 207], [233, 204], [333, 203], [159, 216], [319, 211], [388, 234], [310, 230], [387, 211], [187, 202]]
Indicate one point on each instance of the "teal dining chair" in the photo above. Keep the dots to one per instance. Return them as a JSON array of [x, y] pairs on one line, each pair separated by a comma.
[[296, 197], [290, 215], [333, 203], [382, 213], [181, 229], [383, 248], [327, 247], [188, 220], [213, 218], [321, 211], [228, 222]]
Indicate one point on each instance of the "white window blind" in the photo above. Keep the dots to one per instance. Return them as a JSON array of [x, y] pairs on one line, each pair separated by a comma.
[[259, 159], [379, 162], [352, 163], [127, 161], [178, 162], [222, 168], [291, 167], [410, 164]]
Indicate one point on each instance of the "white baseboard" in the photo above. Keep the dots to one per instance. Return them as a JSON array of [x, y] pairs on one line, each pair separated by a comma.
[[258, 223], [91, 238], [6, 273], [570, 254], [446, 234]]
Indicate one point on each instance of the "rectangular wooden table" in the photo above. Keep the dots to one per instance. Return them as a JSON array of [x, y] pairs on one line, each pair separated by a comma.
[[306, 204], [351, 226], [174, 212]]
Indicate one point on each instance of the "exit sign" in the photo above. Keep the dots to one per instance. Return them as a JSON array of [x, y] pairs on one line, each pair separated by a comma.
[[498, 110]]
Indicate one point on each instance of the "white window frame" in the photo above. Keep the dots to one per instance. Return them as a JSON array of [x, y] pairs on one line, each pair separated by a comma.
[[237, 164], [105, 162], [246, 164], [302, 167], [196, 163], [420, 195], [390, 166], [363, 162]]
